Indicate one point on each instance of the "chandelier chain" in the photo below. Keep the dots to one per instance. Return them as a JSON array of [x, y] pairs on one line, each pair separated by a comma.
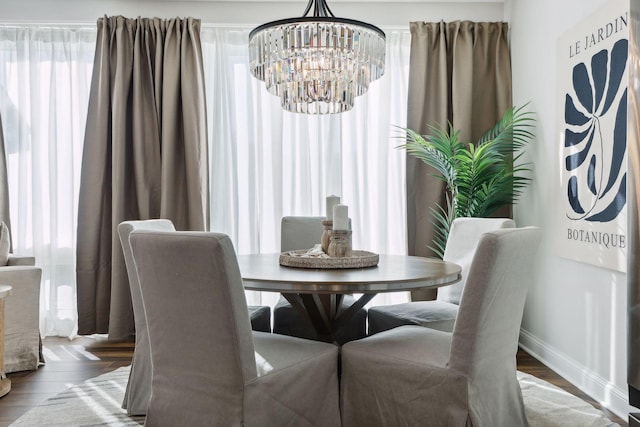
[[320, 8]]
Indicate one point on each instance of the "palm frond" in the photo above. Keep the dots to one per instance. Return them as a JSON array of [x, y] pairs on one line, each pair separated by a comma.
[[480, 178], [442, 219], [512, 132]]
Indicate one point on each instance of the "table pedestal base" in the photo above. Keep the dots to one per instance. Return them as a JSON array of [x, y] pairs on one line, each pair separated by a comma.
[[323, 310]]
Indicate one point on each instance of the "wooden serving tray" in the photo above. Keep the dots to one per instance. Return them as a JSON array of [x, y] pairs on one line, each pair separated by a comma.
[[358, 259]]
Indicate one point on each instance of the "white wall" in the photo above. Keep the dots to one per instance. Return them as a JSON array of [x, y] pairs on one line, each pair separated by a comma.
[[575, 318], [381, 13]]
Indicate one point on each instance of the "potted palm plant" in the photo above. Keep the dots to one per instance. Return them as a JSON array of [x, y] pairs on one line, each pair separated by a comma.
[[479, 178]]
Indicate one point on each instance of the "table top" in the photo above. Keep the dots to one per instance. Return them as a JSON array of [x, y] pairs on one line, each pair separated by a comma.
[[393, 273], [5, 291]]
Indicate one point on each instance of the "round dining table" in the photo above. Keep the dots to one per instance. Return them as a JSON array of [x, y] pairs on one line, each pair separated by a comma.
[[318, 293]]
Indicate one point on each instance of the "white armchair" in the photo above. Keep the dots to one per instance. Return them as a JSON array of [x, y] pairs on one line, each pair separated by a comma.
[[412, 375], [138, 392], [209, 368], [441, 313], [22, 344]]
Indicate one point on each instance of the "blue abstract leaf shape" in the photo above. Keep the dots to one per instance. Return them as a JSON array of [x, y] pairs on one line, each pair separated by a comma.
[[591, 176], [599, 74], [574, 160], [572, 195], [618, 65], [582, 86], [571, 138], [595, 89], [611, 212], [619, 142], [571, 114]]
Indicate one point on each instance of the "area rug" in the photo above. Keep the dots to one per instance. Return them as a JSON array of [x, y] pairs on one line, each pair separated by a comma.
[[96, 402], [549, 406]]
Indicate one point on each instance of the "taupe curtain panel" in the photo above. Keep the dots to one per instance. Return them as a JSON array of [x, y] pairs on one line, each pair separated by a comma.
[[145, 154], [460, 72], [4, 185]]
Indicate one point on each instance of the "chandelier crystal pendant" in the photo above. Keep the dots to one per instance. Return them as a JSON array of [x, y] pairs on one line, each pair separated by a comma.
[[317, 64]]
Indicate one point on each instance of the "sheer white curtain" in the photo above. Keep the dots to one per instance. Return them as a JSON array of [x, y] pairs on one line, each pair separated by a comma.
[[45, 74], [267, 163]]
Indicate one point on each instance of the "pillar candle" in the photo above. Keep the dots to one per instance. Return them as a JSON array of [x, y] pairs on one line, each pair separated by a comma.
[[340, 217], [331, 202]]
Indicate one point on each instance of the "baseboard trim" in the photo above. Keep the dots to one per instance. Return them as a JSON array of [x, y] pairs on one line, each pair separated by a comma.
[[604, 392]]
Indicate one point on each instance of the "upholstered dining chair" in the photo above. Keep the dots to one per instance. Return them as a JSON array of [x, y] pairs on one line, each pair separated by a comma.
[[138, 391], [464, 236], [303, 232], [209, 368], [410, 374]]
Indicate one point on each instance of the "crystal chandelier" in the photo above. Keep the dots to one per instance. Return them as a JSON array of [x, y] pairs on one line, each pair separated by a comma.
[[317, 64]]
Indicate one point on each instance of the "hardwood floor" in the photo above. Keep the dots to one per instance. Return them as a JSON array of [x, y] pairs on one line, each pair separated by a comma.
[[71, 362], [67, 363]]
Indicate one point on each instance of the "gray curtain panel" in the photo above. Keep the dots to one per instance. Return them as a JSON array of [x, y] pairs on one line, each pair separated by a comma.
[[460, 72], [145, 154], [4, 187]]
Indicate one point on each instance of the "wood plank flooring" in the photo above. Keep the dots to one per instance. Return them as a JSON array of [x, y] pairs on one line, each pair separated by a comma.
[[67, 363], [71, 362]]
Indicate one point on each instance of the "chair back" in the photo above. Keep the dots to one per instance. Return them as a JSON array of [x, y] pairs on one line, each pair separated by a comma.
[[199, 331], [487, 327], [462, 242], [300, 232], [138, 391], [124, 230]]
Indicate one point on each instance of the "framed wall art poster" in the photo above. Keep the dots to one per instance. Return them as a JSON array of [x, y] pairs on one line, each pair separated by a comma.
[[592, 79]]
